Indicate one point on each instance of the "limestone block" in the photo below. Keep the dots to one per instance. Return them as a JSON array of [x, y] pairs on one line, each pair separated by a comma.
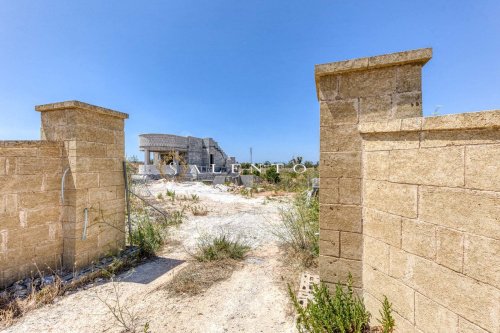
[[351, 245], [376, 165], [374, 82], [336, 270], [406, 105], [475, 301], [2, 166], [398, 199], [462, 121], [18, 151], [375, 108], [449, 245], [482, 259], [401, 264], [459, 137], [330, 235], [482, 167], [465, 326], [111, 178], [39, 200], [338, 112], [327, 86], [350, 191], [401, 296], [329, 195], [20, 183], [11, 204], [86, 180], [431, 166], [382, 226], [376, 254], [340, 217], [329, 248], [409, 78], [430, 317], [340, 138], [475, 212], [419, 238], [336, 165], [391, 141]]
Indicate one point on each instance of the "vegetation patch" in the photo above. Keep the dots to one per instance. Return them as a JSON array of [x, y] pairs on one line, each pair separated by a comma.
[[298, 229]]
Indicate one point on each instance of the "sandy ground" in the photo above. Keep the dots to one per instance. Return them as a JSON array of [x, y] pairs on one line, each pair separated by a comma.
[[254, 299]]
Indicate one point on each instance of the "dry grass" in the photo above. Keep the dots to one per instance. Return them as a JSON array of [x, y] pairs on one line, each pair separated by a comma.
[[197, 277], [199, 210], [11, 309]]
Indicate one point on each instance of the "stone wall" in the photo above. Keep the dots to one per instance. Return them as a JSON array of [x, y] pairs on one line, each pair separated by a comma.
[[86, 143], [428, 228], [30, 190]]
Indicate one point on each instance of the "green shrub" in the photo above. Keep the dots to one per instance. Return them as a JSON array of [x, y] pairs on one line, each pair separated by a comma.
[[220, 247], [272, 175], [299, 227], [148, 236], [341, 312], [387, 321]]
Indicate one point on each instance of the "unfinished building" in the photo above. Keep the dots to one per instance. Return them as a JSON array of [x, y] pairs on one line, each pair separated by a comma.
[[199, 154]]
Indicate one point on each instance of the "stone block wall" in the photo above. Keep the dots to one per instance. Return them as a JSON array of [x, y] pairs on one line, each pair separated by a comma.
[[30, 189], [431, 221], [428, 225], [350, 93], [86, 144]]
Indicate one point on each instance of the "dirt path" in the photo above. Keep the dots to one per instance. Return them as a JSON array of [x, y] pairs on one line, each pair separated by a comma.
[[252, 300]]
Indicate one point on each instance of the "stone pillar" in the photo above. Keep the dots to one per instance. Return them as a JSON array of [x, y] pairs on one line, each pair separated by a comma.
[[146, 157], [351, 92], [93, 216]]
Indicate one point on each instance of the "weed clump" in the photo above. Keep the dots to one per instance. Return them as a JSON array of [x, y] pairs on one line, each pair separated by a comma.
[[220, 247], [387, 320], [340, 312], [148, 236], [299, 228]]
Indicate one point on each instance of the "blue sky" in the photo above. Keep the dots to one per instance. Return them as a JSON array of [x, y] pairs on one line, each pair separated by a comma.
[[239, 71]]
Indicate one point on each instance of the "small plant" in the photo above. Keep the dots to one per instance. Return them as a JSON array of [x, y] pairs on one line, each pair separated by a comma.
[[387, 321], [195, 198], [299, 227], [177, 216], [159, 196], [149, 236], [171, 194], [220, 247], [199, 210], [272, 175], [340, 312], [124, 317]]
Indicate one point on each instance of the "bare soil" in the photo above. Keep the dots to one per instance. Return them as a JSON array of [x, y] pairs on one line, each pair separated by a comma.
[[252, 299]]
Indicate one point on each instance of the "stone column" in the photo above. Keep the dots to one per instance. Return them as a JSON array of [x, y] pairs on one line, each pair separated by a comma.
[[146, 157], [351, 92], [94, 196]]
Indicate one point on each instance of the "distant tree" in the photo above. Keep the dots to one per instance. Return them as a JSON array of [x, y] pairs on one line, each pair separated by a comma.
[[309, 164], [271, 175], [133, 159]]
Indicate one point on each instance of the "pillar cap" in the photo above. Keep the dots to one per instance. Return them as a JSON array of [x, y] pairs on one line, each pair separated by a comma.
[[419, 56], [81, 106]]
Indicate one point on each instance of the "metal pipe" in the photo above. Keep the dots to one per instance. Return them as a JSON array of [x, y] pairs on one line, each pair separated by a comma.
[[85, 222], [62, 184]]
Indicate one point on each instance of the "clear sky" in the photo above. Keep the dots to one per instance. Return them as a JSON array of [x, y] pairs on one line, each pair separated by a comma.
[[241, 72]]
